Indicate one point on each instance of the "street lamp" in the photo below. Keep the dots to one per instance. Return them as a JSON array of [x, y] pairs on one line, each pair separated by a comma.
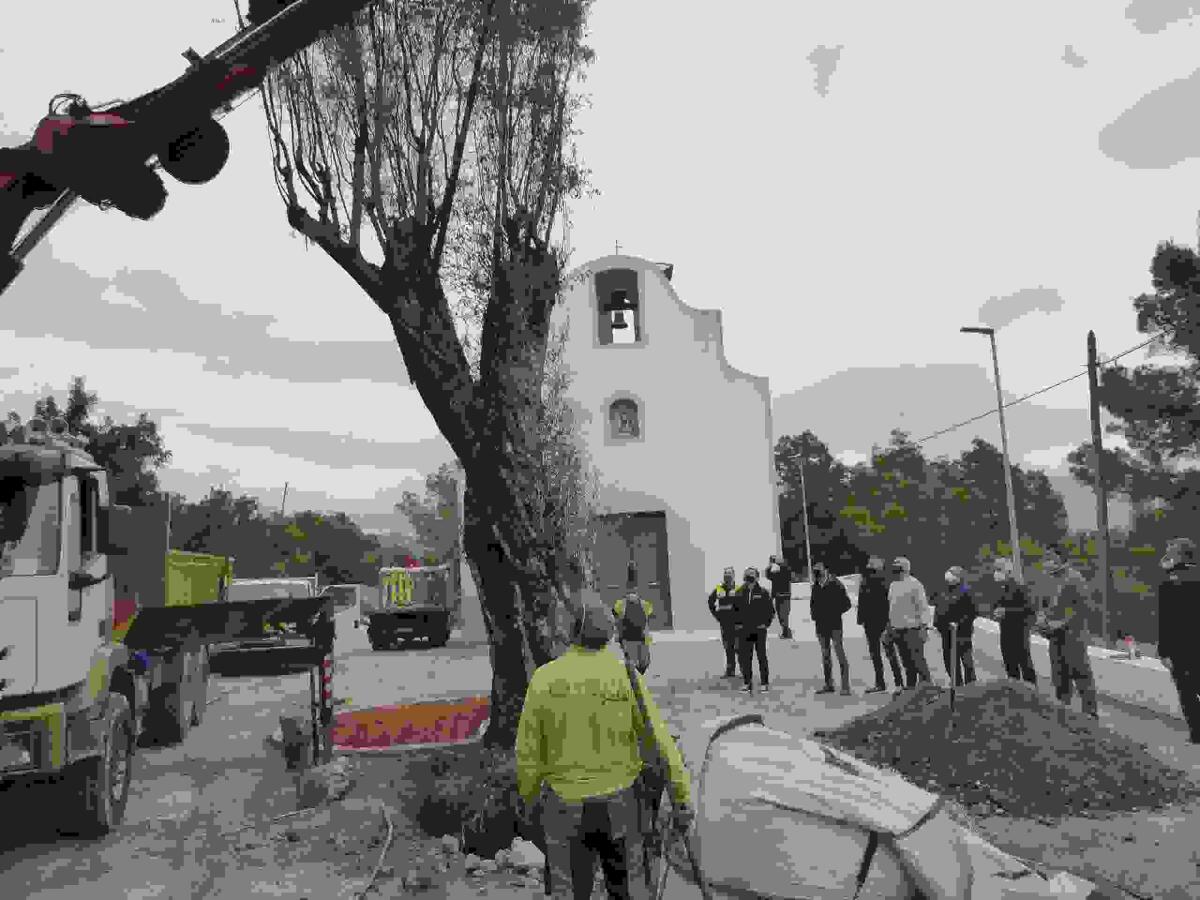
[[799, 457], [1015, 534]]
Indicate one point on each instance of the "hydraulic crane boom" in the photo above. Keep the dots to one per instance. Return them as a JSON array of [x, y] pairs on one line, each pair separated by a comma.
[[164, 126]]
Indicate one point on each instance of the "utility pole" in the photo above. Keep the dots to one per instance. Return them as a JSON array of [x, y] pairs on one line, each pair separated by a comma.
[[1015, 534], [167, 494], [1101, 493], [283, 506]]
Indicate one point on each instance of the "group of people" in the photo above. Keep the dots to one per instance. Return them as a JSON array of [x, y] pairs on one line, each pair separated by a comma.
[[897, 618], [744, 613]]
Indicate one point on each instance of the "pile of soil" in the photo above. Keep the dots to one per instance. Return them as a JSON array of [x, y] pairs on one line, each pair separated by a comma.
[[1006, 749], [411, 723]]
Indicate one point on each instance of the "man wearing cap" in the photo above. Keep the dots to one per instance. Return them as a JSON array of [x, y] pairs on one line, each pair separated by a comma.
[[1179, 627], [780, 576], [755, 615], [910, 617], [1063, 623], [578, 747], [723, 604], [954, 618]]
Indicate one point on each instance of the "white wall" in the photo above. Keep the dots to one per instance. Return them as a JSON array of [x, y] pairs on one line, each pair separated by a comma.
[[705, 452]]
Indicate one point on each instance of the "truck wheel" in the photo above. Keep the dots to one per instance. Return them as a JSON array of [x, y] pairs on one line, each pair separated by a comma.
[[197, 156], [100, 785]]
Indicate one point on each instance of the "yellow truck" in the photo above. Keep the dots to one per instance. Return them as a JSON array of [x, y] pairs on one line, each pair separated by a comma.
[[412, 602]]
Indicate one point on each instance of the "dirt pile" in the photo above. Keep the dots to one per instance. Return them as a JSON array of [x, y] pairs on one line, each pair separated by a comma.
[[1006, 749]]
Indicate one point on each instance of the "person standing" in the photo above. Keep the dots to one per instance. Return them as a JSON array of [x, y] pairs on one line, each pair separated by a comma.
[[910, 618], [954, 618], [873, 617], [633, 614], [1179, 627], [723, 604], [828, 604], [578, 749], [1064, 625], [1015, 613], [780, 576], [755, 614]]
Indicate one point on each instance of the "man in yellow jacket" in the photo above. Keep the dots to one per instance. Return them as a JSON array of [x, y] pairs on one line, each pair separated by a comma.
[[578, 748]]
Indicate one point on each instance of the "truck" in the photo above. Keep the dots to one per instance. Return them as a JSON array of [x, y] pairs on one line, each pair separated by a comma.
[[79, 685], [172, 681], [410, 602]]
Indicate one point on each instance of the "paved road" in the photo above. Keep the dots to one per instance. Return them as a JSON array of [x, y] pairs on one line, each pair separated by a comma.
[[183, 836]]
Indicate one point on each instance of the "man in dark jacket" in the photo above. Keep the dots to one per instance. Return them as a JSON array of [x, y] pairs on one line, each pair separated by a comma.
[[1014, 611], [873, 617], [723, 604], [829, 602], [755, 614], [954, 618], [1179, 626], [780, 576]]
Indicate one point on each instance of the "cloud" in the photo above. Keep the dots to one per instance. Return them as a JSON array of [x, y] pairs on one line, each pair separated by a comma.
[[857, 408], [824, 61], [334, 451], [138, 309], [1000, 311], [1071, 58], [1159, 130], [1153, 16]]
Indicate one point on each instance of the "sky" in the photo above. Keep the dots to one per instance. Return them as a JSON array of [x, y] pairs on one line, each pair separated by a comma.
[[848, 182]]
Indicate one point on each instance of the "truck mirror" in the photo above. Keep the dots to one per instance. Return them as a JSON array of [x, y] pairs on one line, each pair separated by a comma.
[[115, 530], [77, 581]]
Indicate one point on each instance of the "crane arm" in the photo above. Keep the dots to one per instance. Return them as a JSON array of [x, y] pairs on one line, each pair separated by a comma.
[[48, 171]]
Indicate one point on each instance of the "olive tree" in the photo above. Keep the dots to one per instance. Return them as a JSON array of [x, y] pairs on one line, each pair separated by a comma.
[[427, 149]]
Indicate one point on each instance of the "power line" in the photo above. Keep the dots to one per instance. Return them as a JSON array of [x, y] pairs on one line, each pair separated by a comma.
[[992, 412]]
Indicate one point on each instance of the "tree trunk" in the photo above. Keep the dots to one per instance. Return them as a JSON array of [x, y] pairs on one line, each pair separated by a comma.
[[498, 597]]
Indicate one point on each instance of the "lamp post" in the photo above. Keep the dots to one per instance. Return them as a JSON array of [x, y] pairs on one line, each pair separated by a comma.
[[1015, 534], [799, 457]]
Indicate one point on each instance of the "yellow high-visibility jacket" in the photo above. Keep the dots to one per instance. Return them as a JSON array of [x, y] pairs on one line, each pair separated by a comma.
[[619, 611], [580, 727]]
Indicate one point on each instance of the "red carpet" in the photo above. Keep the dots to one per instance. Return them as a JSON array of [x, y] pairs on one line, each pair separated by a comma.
[[411, 723]]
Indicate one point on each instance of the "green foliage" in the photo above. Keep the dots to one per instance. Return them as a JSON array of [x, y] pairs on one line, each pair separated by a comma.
[[938, 512], [132, 453], [434, 515]]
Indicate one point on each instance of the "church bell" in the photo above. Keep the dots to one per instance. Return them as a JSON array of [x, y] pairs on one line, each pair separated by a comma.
[[617, 307]]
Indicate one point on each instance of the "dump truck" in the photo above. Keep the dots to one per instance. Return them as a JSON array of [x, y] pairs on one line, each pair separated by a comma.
[[412, 602], [75, 697]]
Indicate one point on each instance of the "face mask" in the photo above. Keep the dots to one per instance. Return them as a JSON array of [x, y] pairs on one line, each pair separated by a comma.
[[1167, 562], [998, 576]]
